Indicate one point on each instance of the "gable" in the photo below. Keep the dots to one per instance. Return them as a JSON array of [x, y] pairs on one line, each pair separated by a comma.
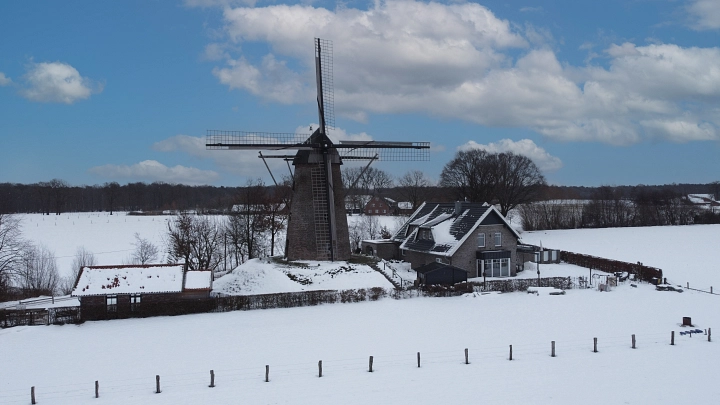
[[493, 218]]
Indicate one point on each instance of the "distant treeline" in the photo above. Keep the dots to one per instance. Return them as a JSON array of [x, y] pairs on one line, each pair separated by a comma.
[[56, 196], [609, 206]]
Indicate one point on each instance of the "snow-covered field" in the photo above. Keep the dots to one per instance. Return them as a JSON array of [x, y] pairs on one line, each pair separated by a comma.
[[63, 362], [684, 253]]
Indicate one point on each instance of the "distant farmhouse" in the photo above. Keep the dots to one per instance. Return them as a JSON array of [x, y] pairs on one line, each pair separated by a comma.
[[706, 201], [109, 292], [386, 206], [471, 237]]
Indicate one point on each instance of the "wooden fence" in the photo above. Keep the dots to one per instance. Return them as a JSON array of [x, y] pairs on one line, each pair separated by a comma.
[[648, 274]]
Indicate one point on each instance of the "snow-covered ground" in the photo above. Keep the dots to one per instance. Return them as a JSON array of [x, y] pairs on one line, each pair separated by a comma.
[[265, 276], [684, 253], [109, 237], [63, 362]]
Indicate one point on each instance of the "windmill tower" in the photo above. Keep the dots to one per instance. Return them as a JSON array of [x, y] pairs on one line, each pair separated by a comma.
[[317, 226]]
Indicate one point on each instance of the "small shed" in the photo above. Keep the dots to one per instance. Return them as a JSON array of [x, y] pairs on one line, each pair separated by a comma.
[[440, 273], [127, 291]]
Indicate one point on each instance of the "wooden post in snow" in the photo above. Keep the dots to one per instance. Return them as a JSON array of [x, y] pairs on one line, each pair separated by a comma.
[[709, 333], [267, 373], [633, 341], [467, 360], [97, 389], [552, 345], [212, 379], [594, 345], [32, 395], [672, 338], [320, 369], [157, 384], [370, 364], [510, 352], [418, 359]]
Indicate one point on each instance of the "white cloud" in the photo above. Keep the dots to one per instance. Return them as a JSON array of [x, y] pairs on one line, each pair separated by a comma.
[[459, 61], [4, 80], [57, 82], [705, 14], [526, 147], [682, 130], [531, 9], [152, 170]]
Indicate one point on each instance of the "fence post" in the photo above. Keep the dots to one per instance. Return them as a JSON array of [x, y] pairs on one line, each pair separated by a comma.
[[97, 389], [267, 373], [320, 368], [157, 384], [594, 345], [32, 395], [688, 285], [709, 332], [418, 359], [466, 357], [370, 364], [672, 338], [633, 341], [552, 344], [510, 352], [212, 379], [711, 290]]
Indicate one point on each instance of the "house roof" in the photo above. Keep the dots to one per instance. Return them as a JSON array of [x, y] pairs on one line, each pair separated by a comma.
[[132, 279], [449, 228], [430, 267], [138, 279], [198, 280]]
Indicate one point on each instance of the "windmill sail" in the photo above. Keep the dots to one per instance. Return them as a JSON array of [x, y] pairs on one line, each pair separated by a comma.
[[324, 80]]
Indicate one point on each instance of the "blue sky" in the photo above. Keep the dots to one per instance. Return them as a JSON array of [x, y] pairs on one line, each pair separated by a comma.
[[612, 92]]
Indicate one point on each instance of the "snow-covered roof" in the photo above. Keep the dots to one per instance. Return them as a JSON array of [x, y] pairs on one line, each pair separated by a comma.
[[451, 225], [198, 280], [132, 279], [701, 198], [405, 205]]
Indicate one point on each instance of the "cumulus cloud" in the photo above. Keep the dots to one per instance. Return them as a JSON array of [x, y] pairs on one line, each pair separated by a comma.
[[4, 80], [460, 61], [526, 147], [152, 170], [57, 82], [705, 14]]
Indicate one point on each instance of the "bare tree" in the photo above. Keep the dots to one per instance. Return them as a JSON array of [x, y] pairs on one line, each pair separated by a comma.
[[145, 252], [517, 181], [59, 192], [470, 175], [194, 241], [249, 222], [370, 226], [37, 273], [413, 187], [83, 258], [11, 245], [505, 178]]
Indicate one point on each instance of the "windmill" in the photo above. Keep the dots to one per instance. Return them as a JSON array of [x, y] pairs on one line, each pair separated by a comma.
[[317, 226]]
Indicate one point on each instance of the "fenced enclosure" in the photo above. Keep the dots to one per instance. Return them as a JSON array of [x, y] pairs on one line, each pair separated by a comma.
[[645, 273]]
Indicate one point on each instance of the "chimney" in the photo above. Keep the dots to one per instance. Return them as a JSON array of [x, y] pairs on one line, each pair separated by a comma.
[[458, 208]]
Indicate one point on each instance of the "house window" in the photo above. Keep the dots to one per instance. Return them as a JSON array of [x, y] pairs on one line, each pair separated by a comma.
[[481, 240], [134, 302], [494, 267], [402, 251], [498, 239], [383, 211], [111, 302], [373, 205], [376, 211]]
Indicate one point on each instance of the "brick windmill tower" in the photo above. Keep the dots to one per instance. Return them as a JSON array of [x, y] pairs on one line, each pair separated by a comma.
[[317, 226]]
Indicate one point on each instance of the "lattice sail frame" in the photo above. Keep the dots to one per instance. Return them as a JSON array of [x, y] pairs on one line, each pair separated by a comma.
[[385, 151], [324, 51]]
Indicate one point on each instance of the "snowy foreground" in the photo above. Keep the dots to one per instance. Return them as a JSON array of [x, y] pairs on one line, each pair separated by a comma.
[[63, 362]]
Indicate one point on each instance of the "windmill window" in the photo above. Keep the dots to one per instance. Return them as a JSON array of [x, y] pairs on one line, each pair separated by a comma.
[[498, 239]]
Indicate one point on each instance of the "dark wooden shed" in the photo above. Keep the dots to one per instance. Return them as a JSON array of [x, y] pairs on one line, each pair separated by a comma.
[[440, 273]]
